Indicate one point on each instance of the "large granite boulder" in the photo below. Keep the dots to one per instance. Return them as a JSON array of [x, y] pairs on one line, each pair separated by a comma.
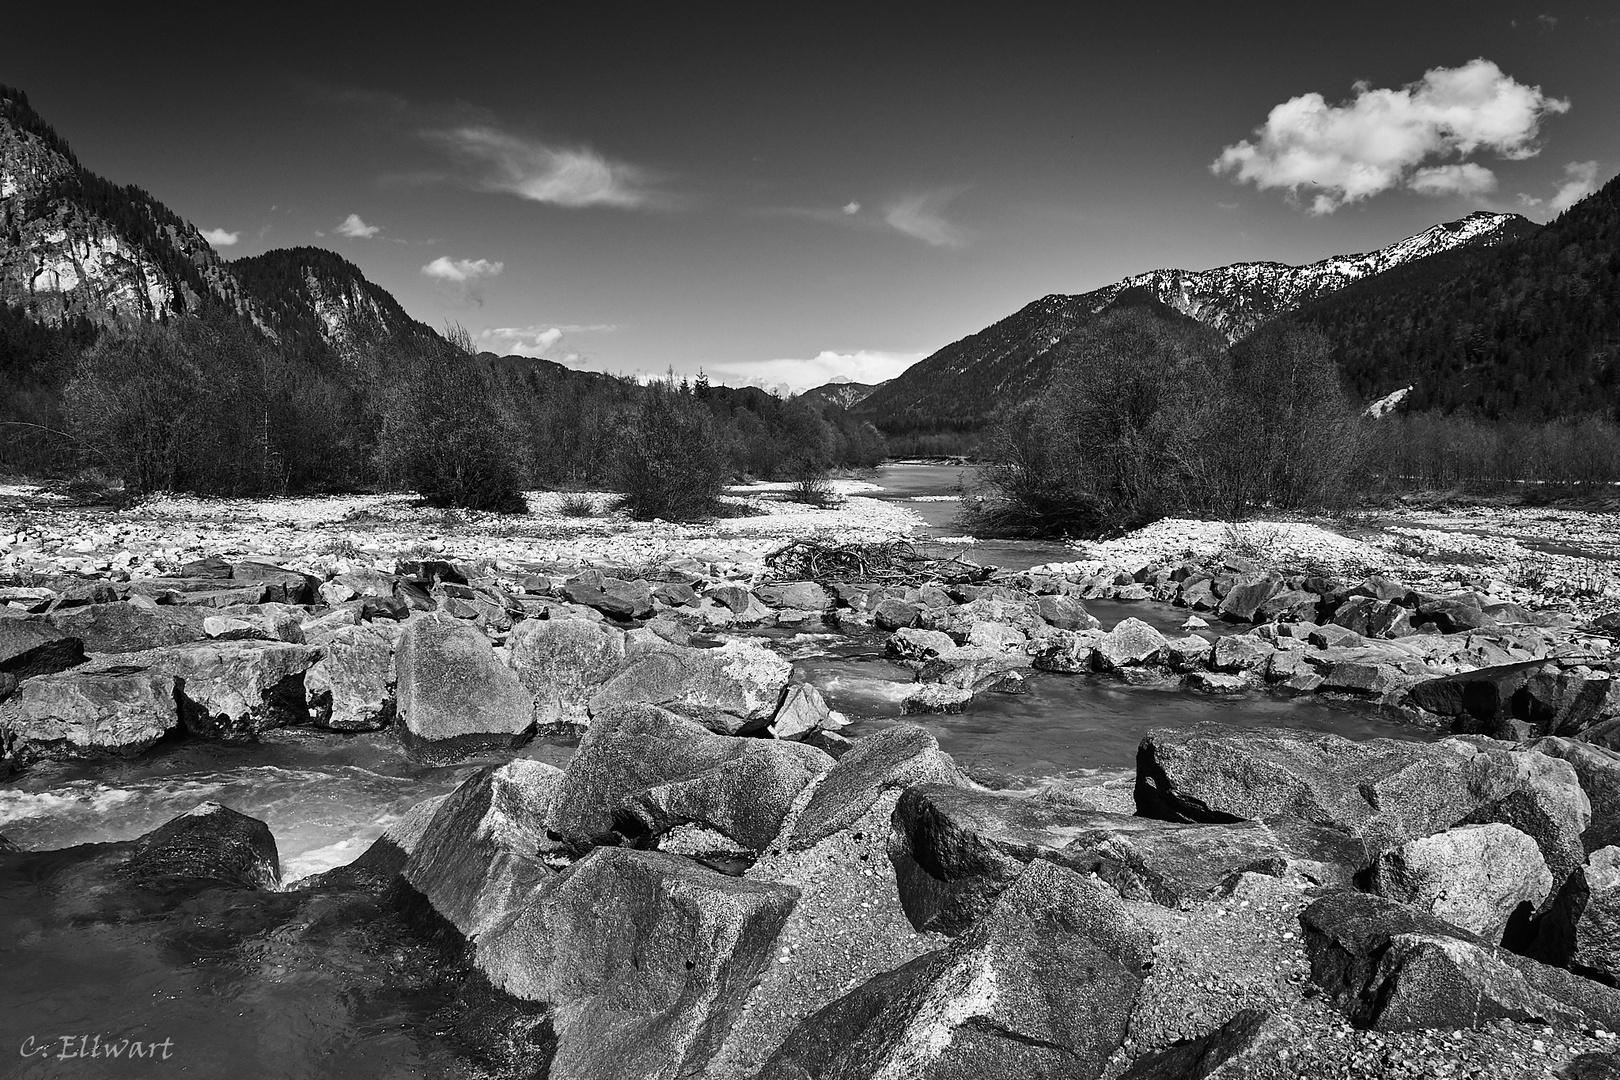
[[33, 645], [352, 686], [896, 757], [955, 850], [645, 959], [478, 857], [1042, 986], [1131, 643], [563, 662], [1065, 613], [73, 715], [643, 771], [1474, 876], [1247, 596], [1594, 917], [731, 689], [232, 690], [208, 844], [797, 595], [1393, 968], [611, 596], [1482, 701], [282, 586], [1598, 770], [454, 696]]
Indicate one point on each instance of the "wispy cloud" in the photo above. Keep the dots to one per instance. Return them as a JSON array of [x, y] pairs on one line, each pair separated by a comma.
[[571, 176], [220, 238], [1580, 180], [797, 375], [922, 215], [447, 269], [541, 341], [353, 226], [852, 207], [1383, 139]]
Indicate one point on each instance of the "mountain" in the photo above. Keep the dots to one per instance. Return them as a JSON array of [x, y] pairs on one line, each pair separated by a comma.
[[1526, 330], [845, 395], [966, 384], [74, 245]]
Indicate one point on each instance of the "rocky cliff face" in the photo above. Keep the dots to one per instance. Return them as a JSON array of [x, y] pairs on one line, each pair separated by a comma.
[[75, 245], [313, 299]]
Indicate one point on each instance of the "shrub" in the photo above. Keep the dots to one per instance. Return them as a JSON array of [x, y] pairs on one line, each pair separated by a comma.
[[813, 489], [670, 463], [578, 506]]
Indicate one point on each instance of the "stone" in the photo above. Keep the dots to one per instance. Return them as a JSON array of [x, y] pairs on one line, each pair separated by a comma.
[[1066, 613], [122, 628], [1131, 642], [563, 663], [1334, 636], [892, 614], [1042, 986], [734, 688], [1598, 771], [1289, 605], [1595, 934], [232, 690], [1193, 622], [1187, 653], [930, 698], [641, 771], [283, 586], [33, 646], [1480, 702], [798, 595], [1239, 652], [1067, 651], [896, 757], [611, 596], [998, 637], [1454, 614], [1195, 1059], [209, 843], [955, 850], [1475, 876], [1199, 595], [908, 644], [478, 857], [1360, 679], [73, 715], [385, 859], [1243, 602], [803, 711], [1555, 702], [430, 571], [454, 696], [1209, 682], [352, 686], [675, 594], [645, 959]]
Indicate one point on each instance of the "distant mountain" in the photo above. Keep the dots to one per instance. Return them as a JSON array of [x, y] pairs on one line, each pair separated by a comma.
[[74, 245], [966, 384], [314, 299], [1525, 330], [845, 395]]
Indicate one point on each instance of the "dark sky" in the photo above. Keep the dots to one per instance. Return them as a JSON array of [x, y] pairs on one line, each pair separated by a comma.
[[748, 188]]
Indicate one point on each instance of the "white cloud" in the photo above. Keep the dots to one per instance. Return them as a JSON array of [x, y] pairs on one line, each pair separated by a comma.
[[447, 269], [220, 238], [852, 207], [560, 176], [922, 215], [538, 341], [353, 226], [863, 366], [1381, 139], [1580, 180]]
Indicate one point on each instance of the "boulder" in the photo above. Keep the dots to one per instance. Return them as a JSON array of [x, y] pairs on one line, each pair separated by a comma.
[[1240, 652], [1042, 986], [1130, 643], [803, 711], [282, 586], [210, 844], [1474, 876], [1195, 1059], [1392, 968], [233, 690], [1067, 651], [352, 686], [74, 715], [258, 622], [31, 646], [892, 614], [1557, 702], [611, 596], [385, 859], [1066, 613], [897, 757], [997, 637], [645, 959], [563, 662], [929, 698], [1210, 682], [122, 628], [734, 688], [1594, 943], [1598, 770], [478, 857], [454, 696], [1242, 603], [1187, 653], [1199, 595], [1289, 605], [798, 595], [641, 771], [1455, 614], [955, 850], [1480, 702], [914, 645]]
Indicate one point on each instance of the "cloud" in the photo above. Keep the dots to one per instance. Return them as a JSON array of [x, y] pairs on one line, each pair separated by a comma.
[[1580, 180], [557, 175], [922, 215], [863, 366], [353, 226], [852, 207], [220, 238], [538, 341], [1383, 139], [447, 269]]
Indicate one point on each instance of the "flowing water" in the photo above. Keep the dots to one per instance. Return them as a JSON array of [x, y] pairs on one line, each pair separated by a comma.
[[932, 491]]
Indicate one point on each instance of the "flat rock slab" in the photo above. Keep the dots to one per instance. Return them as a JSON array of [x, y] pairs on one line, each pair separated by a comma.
[[125, 627]]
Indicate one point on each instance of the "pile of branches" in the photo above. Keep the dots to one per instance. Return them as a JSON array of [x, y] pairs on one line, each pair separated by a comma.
[[892, 562]]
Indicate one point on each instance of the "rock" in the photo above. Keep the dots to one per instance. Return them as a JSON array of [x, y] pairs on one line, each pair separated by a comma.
[[1555, 702], [1240, 652], [892, 614], [675, 594], [918, 645], [1187, 653], [1475, 876], [1066, 613], [1334, 636], [955, 850], [121, 628], [73, 715], [737, 598], [897, 757], [830, 742], [1392, 968], [1454, 614], [283, 586], [1067, 651], [1042, 986], [645, 959], [799, 595], [803, 711], [478, 858], [622, 599], [430, 571], [1592, 1065], [1206, 682], [997, 637], [79, 593], [1481, 702], [1598, 770], [352, 686], [930, 698], [1289, 605], [734, 688], [1195, 1059], [210, 844], [1199, 595], [233, 690], [642, 771], [1193, 622], [387, 855], [33, 646], [222, 598], [1131, 642], [1243, 602], [454, 696], [1132, 593], [563, 662], [1360, 679]]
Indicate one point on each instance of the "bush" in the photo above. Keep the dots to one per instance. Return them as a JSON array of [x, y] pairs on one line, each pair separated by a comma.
[[813, 489], [670, 462], [578, 506]]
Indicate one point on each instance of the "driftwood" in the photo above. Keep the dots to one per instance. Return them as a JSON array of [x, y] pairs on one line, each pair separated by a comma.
[[891, 562]]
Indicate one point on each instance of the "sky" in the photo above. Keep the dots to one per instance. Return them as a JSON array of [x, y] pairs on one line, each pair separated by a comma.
[[786, 195]]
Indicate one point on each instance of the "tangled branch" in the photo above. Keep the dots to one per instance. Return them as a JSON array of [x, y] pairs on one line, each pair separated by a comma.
[[894, 562]]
